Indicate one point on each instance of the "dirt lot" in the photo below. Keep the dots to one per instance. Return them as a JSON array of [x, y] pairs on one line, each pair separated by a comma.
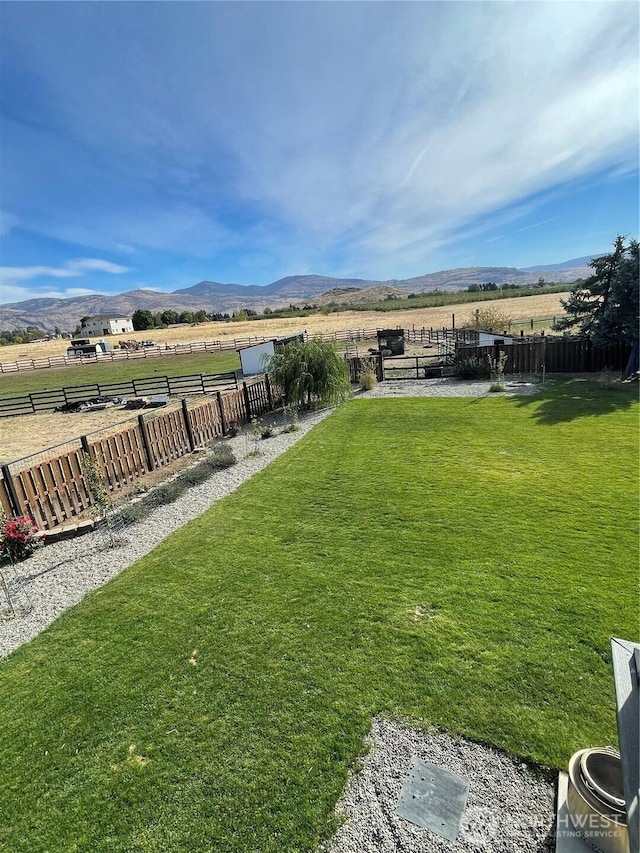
[[523, 308], [26, 434]]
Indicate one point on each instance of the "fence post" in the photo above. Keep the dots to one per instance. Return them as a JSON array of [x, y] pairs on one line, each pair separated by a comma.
[[11, 491], [84, 442], [267, 385], [223, 420], [145, 441], [247, 400], [187, 424]]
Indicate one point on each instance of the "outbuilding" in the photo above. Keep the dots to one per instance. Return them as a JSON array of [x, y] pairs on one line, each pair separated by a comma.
[[253, 358], [83, 348]]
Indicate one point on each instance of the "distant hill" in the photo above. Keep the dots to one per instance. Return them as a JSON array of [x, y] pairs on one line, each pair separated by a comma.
[[565, 265], [213, 296]]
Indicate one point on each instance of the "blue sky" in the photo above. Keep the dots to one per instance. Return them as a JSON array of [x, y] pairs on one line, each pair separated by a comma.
[[158, 144]]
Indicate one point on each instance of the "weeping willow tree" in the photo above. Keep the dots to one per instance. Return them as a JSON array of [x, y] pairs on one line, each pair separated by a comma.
[[311, 372]]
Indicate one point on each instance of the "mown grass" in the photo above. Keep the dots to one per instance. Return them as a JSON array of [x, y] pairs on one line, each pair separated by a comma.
[[460, 562], [29, 381]]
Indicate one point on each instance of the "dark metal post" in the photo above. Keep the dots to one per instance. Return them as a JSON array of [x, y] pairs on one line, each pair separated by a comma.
[[247, 400], [84, 441]]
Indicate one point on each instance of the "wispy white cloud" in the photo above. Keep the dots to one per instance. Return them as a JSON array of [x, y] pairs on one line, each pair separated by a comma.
[[371, 134], [71, 269], [96, 265], [15, 293]]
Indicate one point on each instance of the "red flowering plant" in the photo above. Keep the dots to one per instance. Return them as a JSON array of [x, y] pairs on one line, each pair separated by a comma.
[[18, 537]]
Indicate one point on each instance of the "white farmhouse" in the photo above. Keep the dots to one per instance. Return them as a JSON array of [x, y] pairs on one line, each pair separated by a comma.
[[106, 324]]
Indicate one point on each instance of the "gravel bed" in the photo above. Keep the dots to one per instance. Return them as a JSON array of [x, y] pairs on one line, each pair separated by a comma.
[[510, 806], [449, 387]]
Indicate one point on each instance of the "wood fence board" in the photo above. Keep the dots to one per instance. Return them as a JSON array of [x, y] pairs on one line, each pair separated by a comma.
[[557, 356], [5, 503], [168, 437], [70, 486], [205, 422]]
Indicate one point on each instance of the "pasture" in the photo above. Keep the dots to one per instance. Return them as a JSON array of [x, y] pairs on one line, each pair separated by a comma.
[[459, 562], [28, 381], [520, 308]]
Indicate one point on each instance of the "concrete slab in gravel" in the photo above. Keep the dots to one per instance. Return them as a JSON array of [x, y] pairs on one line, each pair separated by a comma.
[[434, 798]]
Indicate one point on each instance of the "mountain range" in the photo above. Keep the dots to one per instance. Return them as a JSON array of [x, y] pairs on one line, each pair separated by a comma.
[[213, 296]]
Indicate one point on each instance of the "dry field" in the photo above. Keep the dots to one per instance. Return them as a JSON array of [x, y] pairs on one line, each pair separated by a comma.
[[519, 308], [26, 434]]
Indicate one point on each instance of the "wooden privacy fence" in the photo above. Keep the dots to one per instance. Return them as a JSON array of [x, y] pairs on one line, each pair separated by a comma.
[[53, 489], [557, 355], [175, 386]]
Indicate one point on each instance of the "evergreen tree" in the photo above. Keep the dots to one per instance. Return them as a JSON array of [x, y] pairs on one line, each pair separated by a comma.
[[604, 307]]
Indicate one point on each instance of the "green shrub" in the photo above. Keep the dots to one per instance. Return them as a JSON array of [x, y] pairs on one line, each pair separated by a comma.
[[496, 387], [131, 513], [221, 456], [164, 494], [195, 475], [267, 432], [292, 428], [471, 368]]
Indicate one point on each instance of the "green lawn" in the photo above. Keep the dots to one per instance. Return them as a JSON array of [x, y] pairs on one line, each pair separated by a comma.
[[28, 381], [461, 562]]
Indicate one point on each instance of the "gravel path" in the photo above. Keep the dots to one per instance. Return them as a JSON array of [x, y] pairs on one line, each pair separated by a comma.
[[447, 387], [510, 807]]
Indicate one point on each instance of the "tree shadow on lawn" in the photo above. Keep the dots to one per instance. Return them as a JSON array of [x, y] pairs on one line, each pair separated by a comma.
[[566, 399]]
